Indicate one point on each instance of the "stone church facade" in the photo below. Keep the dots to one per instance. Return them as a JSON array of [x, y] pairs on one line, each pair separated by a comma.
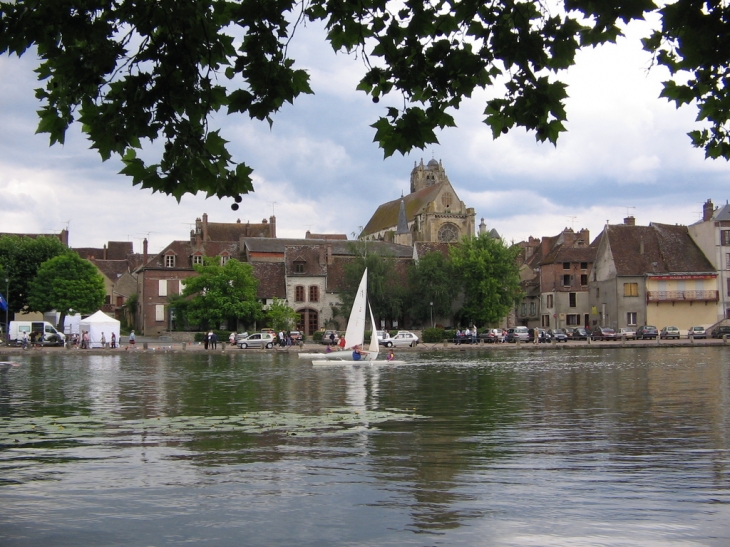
[[432, 212]]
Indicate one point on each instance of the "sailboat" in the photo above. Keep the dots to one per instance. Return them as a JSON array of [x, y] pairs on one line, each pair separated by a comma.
[[355, 333]]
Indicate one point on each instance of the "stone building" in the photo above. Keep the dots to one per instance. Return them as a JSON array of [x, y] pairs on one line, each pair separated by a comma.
[[431, 212]]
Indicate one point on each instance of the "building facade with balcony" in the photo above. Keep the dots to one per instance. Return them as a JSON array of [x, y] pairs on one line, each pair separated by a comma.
[[651, 275], [712, 235]]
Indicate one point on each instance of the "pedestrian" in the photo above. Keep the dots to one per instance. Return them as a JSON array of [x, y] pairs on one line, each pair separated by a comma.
[[206, 341], [282, 339], [25, 340], [332, 338], [131, 338], [213, 340], [232, 339], [536, 335], [103, 341], [114, 340]]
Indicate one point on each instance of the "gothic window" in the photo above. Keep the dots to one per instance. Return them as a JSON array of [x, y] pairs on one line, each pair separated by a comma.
[[448, 232], [447, 199]]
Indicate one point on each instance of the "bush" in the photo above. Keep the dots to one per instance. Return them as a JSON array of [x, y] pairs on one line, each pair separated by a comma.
[[434, 335], [317, 336]]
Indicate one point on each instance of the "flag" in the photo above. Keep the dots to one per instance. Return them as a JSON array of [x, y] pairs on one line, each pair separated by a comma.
[[3, 303]]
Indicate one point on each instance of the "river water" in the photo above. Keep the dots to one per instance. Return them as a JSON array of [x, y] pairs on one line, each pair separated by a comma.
[[494, 448]]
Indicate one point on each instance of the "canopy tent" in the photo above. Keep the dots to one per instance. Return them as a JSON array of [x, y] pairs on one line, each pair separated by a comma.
[[97, 324]]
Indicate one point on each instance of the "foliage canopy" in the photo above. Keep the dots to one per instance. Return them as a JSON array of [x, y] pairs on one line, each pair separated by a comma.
[[67, 283], [20, 259], [489, 275], [219, 293], [136, 72]]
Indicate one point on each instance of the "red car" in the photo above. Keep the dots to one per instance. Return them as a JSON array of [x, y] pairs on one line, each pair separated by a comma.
[[603, 333]]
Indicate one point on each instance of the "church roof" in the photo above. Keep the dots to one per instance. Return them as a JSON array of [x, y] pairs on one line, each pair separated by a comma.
[[386, 216]]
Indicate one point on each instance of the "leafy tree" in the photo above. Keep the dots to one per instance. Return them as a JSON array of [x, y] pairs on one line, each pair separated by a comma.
[[487, 270], [385, 294], [136, 72], [431, 279], [68, 284], [280, 316], [218, 293], [20, 258]]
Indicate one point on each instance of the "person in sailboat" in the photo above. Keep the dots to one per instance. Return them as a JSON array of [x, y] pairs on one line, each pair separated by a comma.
[[358, 353], [391, 355]]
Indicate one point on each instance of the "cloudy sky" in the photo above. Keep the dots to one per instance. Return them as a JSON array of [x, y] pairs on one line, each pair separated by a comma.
[[626, 151]]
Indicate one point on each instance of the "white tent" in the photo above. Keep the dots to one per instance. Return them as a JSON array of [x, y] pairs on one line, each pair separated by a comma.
[[97, 324]]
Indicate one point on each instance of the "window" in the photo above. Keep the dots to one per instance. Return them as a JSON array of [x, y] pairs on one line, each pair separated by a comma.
[[584, 265], [728, 287], [314, 293], [533, 308], [631, 289], [159, 312], [107, 299], [584, 279], [631, 318], [448, 232], [197, 259], [523, 309], [572, 319], [299, 268], [162, 287], [545, 321], [169, 261], [224, 259], [567, 280], [299, 293], [572, 298], [725, 237], [727, 261], [549, 303], [120, 301], [566, 265]]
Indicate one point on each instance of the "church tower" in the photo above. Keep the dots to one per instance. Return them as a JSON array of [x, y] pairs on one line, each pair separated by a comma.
[[425, 176]]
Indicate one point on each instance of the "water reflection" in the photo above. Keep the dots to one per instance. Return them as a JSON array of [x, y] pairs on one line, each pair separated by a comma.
[[550, 448]]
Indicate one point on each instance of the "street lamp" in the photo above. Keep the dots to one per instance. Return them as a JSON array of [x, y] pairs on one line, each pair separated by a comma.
[[431, 314]]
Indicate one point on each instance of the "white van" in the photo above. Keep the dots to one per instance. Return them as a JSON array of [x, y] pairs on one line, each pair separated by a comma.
[[51, 337]]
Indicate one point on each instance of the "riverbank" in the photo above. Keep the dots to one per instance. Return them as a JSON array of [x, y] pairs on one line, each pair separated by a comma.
[[157, 345]]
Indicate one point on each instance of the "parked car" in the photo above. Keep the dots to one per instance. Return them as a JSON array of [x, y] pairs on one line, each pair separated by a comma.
[[518, 333], [696, 332], [669, 332], [327, 339], [579, 333], [722, 330], [257, 340], [627, 333], [603, 333], [558, 335], [403, 338], [241, 336], [646, 332], [493, 336], [296, 336]]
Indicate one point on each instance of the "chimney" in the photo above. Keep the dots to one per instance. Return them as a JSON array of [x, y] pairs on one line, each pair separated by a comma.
[[144, 251], [205, 226], [707, 209], [105, 253], [272, 226], [630, 221], [545, 246]]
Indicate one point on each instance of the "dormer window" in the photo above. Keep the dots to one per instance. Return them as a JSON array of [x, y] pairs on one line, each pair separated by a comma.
[[169, 261], [224, 259], [197, 259], [299, 267]]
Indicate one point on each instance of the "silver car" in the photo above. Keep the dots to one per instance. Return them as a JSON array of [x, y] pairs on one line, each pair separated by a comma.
[[256, 340], [402, 339]]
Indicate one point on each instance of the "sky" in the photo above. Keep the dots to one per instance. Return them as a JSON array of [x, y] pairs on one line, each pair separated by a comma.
[[317, 168]]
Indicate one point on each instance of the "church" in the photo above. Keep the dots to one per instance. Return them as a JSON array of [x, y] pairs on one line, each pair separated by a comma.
[[432, 212]]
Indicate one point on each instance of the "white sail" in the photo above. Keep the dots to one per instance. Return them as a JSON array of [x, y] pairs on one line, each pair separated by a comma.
[[355, 333], [374, 348]]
